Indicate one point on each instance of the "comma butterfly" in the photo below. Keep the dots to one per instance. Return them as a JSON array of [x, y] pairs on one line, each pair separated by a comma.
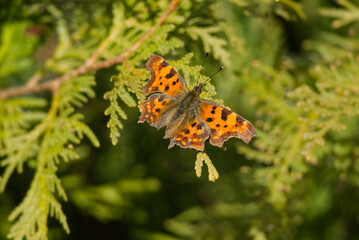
[[190, 120]]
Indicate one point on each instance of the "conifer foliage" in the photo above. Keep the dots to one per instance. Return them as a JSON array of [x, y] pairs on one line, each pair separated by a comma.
[[299, 88]]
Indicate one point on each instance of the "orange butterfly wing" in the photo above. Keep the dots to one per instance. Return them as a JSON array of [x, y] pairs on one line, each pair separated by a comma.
[[163, 78], [157, 110], [224, 123], [192, 135]]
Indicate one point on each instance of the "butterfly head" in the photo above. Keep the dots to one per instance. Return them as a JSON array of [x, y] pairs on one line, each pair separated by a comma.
[[198, 89]]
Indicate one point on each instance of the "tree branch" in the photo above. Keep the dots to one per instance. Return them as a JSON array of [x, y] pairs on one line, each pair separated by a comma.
[[89, 65]]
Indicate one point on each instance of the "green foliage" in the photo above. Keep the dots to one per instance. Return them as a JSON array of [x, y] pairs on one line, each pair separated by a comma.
[[75, 93], [186, 226], [118, 197], [210, 41], [131, 79], [287, 9], [42, 139], [15, 50], [308, 112], [39, 203], [286, 70], [115, 111], [212, 171], [345, 16], [48, 142], [18, 139]]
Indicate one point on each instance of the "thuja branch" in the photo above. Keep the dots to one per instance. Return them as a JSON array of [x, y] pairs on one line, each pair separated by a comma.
[[90, 65]]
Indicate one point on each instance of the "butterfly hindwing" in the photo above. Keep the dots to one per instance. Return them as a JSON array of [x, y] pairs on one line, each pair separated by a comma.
[[191, 135], [224, 123], [163, 78], [156, 110]]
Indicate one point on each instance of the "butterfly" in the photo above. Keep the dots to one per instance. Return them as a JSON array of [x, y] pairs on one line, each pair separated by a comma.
[[190, 120]]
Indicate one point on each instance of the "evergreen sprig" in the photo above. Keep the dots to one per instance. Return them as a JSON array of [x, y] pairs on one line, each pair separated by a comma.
[[15, 51], [114, 110], [49, 142], [308, 114], [211, 42], [45, 138], [212, 171], [349, 13]]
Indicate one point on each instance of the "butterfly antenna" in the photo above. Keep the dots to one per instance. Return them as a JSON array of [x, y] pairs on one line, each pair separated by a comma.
[[202, 67], [220, 69]]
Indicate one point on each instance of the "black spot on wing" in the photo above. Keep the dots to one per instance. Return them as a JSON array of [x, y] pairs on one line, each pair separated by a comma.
[[194, 124], [186, 131], [171, 74], [155, 89], [240, 120], [158, 110], [209, 120], [225, 114], [166, 88], [164, 64], [161, 98]]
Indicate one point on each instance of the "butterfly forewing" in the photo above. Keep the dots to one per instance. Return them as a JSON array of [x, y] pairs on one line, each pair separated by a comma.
[[224, 123], [163, 78]]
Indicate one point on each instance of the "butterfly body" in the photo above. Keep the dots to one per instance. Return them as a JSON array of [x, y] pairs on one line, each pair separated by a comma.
[[187, 104], [184, 112], [190, 120]]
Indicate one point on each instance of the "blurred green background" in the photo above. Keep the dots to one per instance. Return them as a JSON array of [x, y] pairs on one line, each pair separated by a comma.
[[290, 67]]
